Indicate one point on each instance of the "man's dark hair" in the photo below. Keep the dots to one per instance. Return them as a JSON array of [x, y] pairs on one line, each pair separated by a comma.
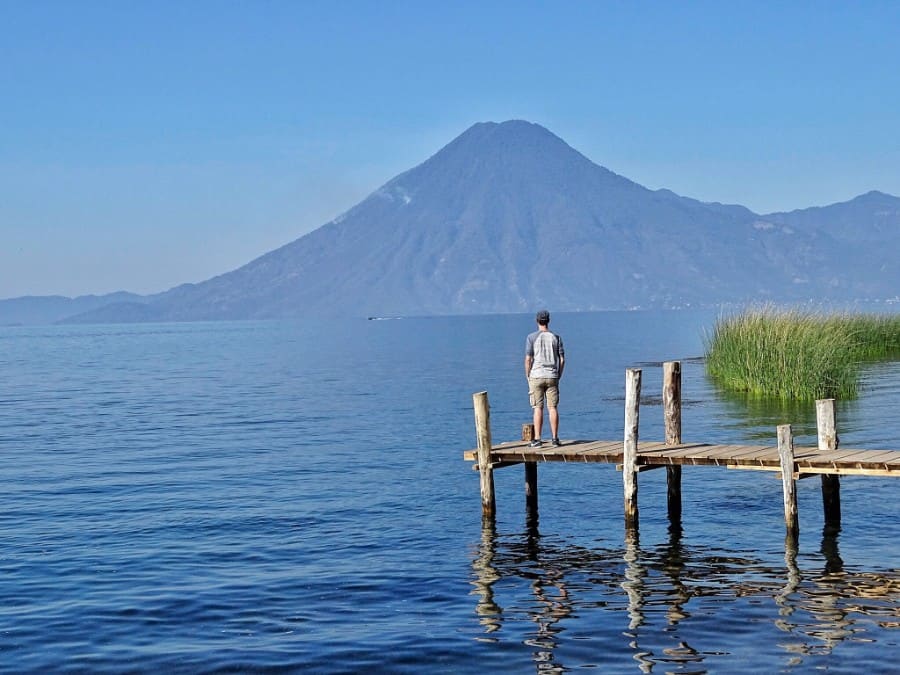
[[543, 317]]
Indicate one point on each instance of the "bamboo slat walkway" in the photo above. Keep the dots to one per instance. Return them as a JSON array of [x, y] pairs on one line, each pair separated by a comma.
[[656, 454], [632, 457]]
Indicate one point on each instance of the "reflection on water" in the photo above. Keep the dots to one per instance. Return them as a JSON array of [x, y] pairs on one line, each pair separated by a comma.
[[756, 417], [867, 421], [675, 600], [679, 605], [553, 605], [489, 612]]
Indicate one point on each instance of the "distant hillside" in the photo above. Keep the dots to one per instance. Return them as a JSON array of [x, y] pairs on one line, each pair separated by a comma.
[[52, 308], [860, 240], [508, 217]]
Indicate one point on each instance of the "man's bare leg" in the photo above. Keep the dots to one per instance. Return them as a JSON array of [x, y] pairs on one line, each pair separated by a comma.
[[538, 422], [553, 414]]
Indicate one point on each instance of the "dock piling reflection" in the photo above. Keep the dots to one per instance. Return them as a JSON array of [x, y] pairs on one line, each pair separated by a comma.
[[490, 614]]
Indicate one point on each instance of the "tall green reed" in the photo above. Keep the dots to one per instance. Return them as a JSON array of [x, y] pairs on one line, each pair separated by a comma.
[[793, 354]]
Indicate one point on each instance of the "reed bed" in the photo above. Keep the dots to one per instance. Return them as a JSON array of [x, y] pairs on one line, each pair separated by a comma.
[[794, 354]]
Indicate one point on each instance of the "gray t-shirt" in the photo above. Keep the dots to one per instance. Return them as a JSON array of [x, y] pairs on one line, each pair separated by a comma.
[[546, 348]]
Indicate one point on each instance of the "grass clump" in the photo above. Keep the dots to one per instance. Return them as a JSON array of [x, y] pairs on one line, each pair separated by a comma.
[[793, 354]]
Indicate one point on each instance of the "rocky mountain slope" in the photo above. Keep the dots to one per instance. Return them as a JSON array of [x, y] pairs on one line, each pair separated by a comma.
[[508, 217]]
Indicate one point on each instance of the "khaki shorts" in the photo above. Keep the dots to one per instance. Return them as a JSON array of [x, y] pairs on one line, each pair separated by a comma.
[[538, 387]]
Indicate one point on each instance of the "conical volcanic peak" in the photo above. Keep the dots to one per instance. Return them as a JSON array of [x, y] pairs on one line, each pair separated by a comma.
[[513, 155], [507, 217]]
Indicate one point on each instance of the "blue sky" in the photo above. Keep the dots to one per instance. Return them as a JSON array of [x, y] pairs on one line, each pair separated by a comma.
[[147, 144]]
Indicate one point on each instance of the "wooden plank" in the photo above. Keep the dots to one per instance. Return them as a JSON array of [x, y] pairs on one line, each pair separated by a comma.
[[651, 446], [735, 451], [601, 459], [511, 457], [497, 465], [692, 444], [641, 468], [851, 471], [610, 446], [679, 452], [753, 450], [716, 452], [694, 461], [695, 449], [847, 462], [551, 455], [569, 452], [510, 444], [871, 461], [839, 455], [695, 454], [656, 460], [739, 450], [893, 457], [754, 467], [763, 458], [704, 450], [684, 447], [764, 465], [887, 457], [603, 450], [757, 455], [547, 449]]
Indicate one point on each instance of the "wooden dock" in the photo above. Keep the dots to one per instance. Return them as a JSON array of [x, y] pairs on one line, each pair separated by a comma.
[[633, 457], [656, 455]]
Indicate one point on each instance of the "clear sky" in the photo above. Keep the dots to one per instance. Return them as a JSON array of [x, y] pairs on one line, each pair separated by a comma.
[[148, 144]]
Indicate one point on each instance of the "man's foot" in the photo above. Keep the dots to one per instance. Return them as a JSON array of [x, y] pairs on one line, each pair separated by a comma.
[[536, 443], [554, 442]]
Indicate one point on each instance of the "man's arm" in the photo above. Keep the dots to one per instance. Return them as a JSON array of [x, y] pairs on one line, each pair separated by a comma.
[[561, 354], [529, 359]]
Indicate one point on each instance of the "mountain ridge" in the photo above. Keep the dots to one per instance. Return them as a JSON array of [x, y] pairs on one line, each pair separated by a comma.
[[508, 216]]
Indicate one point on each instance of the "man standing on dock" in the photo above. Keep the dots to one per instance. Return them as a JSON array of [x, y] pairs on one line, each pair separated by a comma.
[[545, 359]]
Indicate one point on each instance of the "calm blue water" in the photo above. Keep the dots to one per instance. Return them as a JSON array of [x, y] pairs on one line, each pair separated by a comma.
[[285, 496]]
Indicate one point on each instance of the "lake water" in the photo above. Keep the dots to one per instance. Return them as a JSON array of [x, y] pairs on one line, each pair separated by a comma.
[[280, 496]]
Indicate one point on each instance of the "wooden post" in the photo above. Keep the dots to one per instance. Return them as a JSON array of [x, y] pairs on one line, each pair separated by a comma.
[[786, 455], [629, 458], [528, 432], [672, 413], [831, 483], [531, 491], [485, 468], [531, 488]]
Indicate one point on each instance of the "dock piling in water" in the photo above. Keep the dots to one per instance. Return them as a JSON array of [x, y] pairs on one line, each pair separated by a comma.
[[629, 458], [531, 489], [672, 414], [486, 469], [786, 455], [831, 483]]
